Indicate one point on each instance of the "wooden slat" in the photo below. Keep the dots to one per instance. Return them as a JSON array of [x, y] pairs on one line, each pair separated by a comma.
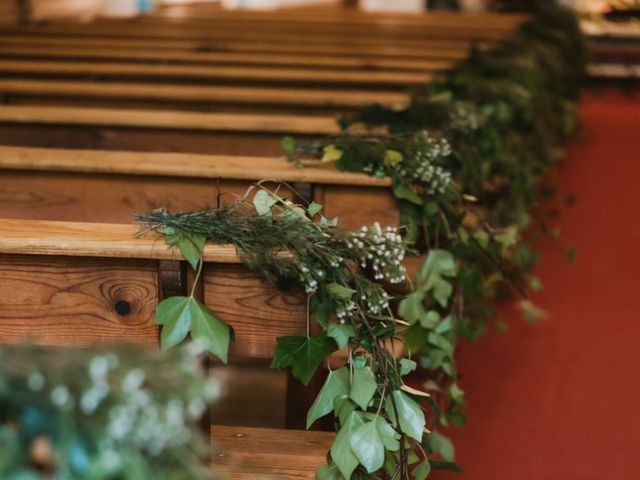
[[244, 453], [71, 301], [231, 58], [424, 51], [299, 97], [178, 165], [216, 73], [226, 122], [50, 238]]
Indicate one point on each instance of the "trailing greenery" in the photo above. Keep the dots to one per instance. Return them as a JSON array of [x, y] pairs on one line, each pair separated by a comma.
[[466, 158], [379, 421], [102, 414]]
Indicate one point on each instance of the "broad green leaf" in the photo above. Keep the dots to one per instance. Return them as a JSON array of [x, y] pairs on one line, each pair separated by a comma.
[[439, 264], [331, 154], [328, 472], [392, 158], [389, 436], [438, 443], [343, 406], [321, 309], [340, 291], [341, 452], [341, 333], [448, 466], [363, 387], [407, 366], [174, 316], [410, 416], [403, 192], [440, 342], [430, 320], [431, 208], [264, 202], [445, 325], [336, 384], [314, 208], [191, 246], [421, 472], [209, 329], [302, 354], [367, 446], [411, 308]]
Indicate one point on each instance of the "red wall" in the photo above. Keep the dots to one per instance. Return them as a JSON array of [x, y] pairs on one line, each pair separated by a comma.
[[561, 399]]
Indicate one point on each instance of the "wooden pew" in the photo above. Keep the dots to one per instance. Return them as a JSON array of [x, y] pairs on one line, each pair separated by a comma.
[[259, 99], [159, 130], [79, 284], [86, 186]]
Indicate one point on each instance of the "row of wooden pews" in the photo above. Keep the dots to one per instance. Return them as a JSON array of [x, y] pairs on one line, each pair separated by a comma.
[[102, 120]]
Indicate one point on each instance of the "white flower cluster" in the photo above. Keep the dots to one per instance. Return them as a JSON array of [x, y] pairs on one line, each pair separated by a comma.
[[382, 250], [424, 168], [310, 278], [464, 118]]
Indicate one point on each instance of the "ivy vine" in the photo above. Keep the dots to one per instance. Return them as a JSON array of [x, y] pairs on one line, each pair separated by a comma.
[[466, 159]]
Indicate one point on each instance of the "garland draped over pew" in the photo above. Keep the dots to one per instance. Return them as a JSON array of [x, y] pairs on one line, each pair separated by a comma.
[[465, 158]]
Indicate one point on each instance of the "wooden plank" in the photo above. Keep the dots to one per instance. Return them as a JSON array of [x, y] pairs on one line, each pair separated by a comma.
[[422, 51], [239, 75], [209, 95], [130, 118], [178, 165], [227, 58], [244, 453], [76, 301], [258, 311], [100, 240]]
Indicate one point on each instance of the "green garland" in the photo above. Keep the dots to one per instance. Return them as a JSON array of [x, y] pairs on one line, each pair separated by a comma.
[[379, 421], [466, 159], [103, 414]]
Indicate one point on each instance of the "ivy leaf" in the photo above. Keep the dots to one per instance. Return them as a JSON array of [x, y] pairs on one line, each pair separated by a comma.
[[343, 407], [367, 446], [336, 384], [331, 154], [263, 202], [174, 316], [439, 264], [340, 291], [403, 192], [438, 443], [392, 158], [313, 209], [209, 329], [341, 452], [388, 435], [302, 354], [341, 333], [448, 466], [322, 310], [190, 246], [328, 472], [407, 366], [181, 315], [363, 387], [411, 308], [422, 471], [430, 320], [410, 415]]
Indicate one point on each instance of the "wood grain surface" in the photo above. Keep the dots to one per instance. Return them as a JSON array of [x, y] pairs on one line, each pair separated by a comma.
[[74, 301], [75, 239], [243, 453], [258, 311]]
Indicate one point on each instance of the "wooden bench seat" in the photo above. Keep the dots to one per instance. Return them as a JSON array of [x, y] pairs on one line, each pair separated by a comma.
[[84, 185], [157, 130], [194, 97], [243, 453]]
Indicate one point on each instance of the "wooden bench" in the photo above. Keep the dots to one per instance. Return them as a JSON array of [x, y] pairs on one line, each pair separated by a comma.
[[159, 130], [78, 284], [83, 185]]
